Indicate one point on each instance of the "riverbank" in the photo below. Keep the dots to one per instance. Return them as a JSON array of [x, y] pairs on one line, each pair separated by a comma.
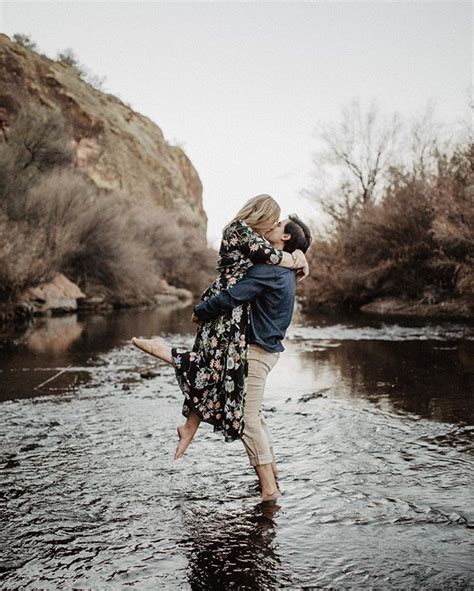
[[462, 309], [62, 296], [452, 309], [24, 310]]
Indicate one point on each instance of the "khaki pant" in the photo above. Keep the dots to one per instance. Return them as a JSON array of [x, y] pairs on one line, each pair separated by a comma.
[[256, 436]]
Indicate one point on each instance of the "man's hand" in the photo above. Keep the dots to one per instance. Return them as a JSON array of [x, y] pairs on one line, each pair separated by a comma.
[[301, 264], [195, 318]]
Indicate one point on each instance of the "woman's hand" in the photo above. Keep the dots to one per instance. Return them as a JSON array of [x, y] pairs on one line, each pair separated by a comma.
[[301, 264], [195, 318]]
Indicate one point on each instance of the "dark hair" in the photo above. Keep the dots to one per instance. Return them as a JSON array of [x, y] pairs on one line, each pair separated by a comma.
[[300, 234]]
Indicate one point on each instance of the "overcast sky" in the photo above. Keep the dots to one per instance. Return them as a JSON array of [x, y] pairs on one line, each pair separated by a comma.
[[241, 86]]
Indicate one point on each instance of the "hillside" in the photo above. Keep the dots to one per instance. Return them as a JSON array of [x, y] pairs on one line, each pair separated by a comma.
[[115, 146]]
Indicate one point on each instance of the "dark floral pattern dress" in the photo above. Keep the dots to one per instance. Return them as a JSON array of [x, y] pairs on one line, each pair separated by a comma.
[[213, 375]]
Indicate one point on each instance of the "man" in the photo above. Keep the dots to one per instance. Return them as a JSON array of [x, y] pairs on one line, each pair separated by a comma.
[[271, 291]]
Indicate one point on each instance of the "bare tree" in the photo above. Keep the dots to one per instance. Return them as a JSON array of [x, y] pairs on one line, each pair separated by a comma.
[[362, 143], [425, 143], [359, 150]]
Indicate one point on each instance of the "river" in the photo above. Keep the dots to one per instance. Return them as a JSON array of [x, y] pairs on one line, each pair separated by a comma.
[[372, 425]]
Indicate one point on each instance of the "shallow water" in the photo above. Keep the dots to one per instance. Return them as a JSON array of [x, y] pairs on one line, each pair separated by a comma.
[[371, 426]]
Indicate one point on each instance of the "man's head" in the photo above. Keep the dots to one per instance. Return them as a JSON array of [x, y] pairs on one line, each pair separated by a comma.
[[290, 234]]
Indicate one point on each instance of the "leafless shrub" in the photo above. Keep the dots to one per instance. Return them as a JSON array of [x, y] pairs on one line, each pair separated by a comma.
[[24, 41], [37, 143], [25, 259], [54, 219], [89, 237], [182, 256], [69, 58], [417, 241]]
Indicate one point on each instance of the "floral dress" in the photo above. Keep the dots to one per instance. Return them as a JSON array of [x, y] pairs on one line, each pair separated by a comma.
[[213, 375]]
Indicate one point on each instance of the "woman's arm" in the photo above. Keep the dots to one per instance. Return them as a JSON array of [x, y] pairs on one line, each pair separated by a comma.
[[252, 245], [259, 250], [295, 260]]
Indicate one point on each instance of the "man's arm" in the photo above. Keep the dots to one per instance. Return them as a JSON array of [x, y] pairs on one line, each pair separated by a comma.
[[244, 291]]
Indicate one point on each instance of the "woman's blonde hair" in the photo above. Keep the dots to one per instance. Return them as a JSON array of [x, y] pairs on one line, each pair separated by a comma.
[[259, 212]]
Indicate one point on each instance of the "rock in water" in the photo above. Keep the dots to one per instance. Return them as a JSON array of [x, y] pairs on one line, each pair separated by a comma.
[[59, 295]]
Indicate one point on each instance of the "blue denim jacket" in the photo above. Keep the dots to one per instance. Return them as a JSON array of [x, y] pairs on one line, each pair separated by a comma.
[[271, 293]]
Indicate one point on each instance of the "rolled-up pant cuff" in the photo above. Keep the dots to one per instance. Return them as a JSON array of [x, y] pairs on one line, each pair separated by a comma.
[[261, 459]]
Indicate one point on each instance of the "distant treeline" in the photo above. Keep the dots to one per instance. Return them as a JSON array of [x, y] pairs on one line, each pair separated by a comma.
[[402, 217], [53, 219]]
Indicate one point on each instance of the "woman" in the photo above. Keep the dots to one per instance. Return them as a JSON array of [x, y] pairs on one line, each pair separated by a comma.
[[212, 375]]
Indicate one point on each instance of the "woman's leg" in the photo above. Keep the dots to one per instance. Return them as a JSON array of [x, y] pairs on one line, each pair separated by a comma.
[[157, 347]]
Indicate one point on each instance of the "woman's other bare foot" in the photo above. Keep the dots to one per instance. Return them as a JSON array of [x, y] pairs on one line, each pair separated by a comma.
[[186, 435], [268, 486], [156, 347]]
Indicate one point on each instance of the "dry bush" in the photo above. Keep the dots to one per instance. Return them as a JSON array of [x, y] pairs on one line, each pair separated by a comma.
[[54, 219], [194, 265], [417, 242], [89, 237], [25, 41], [37, 143], [183, 258], [25, 259], [453, 226], [390, 245], [69, 58]]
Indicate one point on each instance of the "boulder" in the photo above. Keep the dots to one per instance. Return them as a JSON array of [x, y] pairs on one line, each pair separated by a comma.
[[57, 296]]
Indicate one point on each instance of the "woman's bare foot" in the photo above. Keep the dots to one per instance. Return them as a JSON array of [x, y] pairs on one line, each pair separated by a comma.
[[186, 433], [156, 347], [185, 437]]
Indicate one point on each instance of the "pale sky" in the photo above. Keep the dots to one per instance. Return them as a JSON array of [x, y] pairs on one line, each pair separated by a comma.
[[241, 86]]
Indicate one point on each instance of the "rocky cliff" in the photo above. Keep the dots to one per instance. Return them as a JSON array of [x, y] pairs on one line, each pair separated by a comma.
[[115, 146]]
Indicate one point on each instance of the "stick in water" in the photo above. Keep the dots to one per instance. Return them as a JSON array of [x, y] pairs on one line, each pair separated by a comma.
[[52, 378]]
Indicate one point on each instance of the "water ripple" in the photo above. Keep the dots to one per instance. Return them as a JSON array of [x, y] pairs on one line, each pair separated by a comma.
[[374, 496]]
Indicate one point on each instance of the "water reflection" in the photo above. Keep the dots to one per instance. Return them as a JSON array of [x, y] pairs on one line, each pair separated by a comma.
[[32, 354], [233, 548], [417, 377], [54, 336], [424, 369]]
